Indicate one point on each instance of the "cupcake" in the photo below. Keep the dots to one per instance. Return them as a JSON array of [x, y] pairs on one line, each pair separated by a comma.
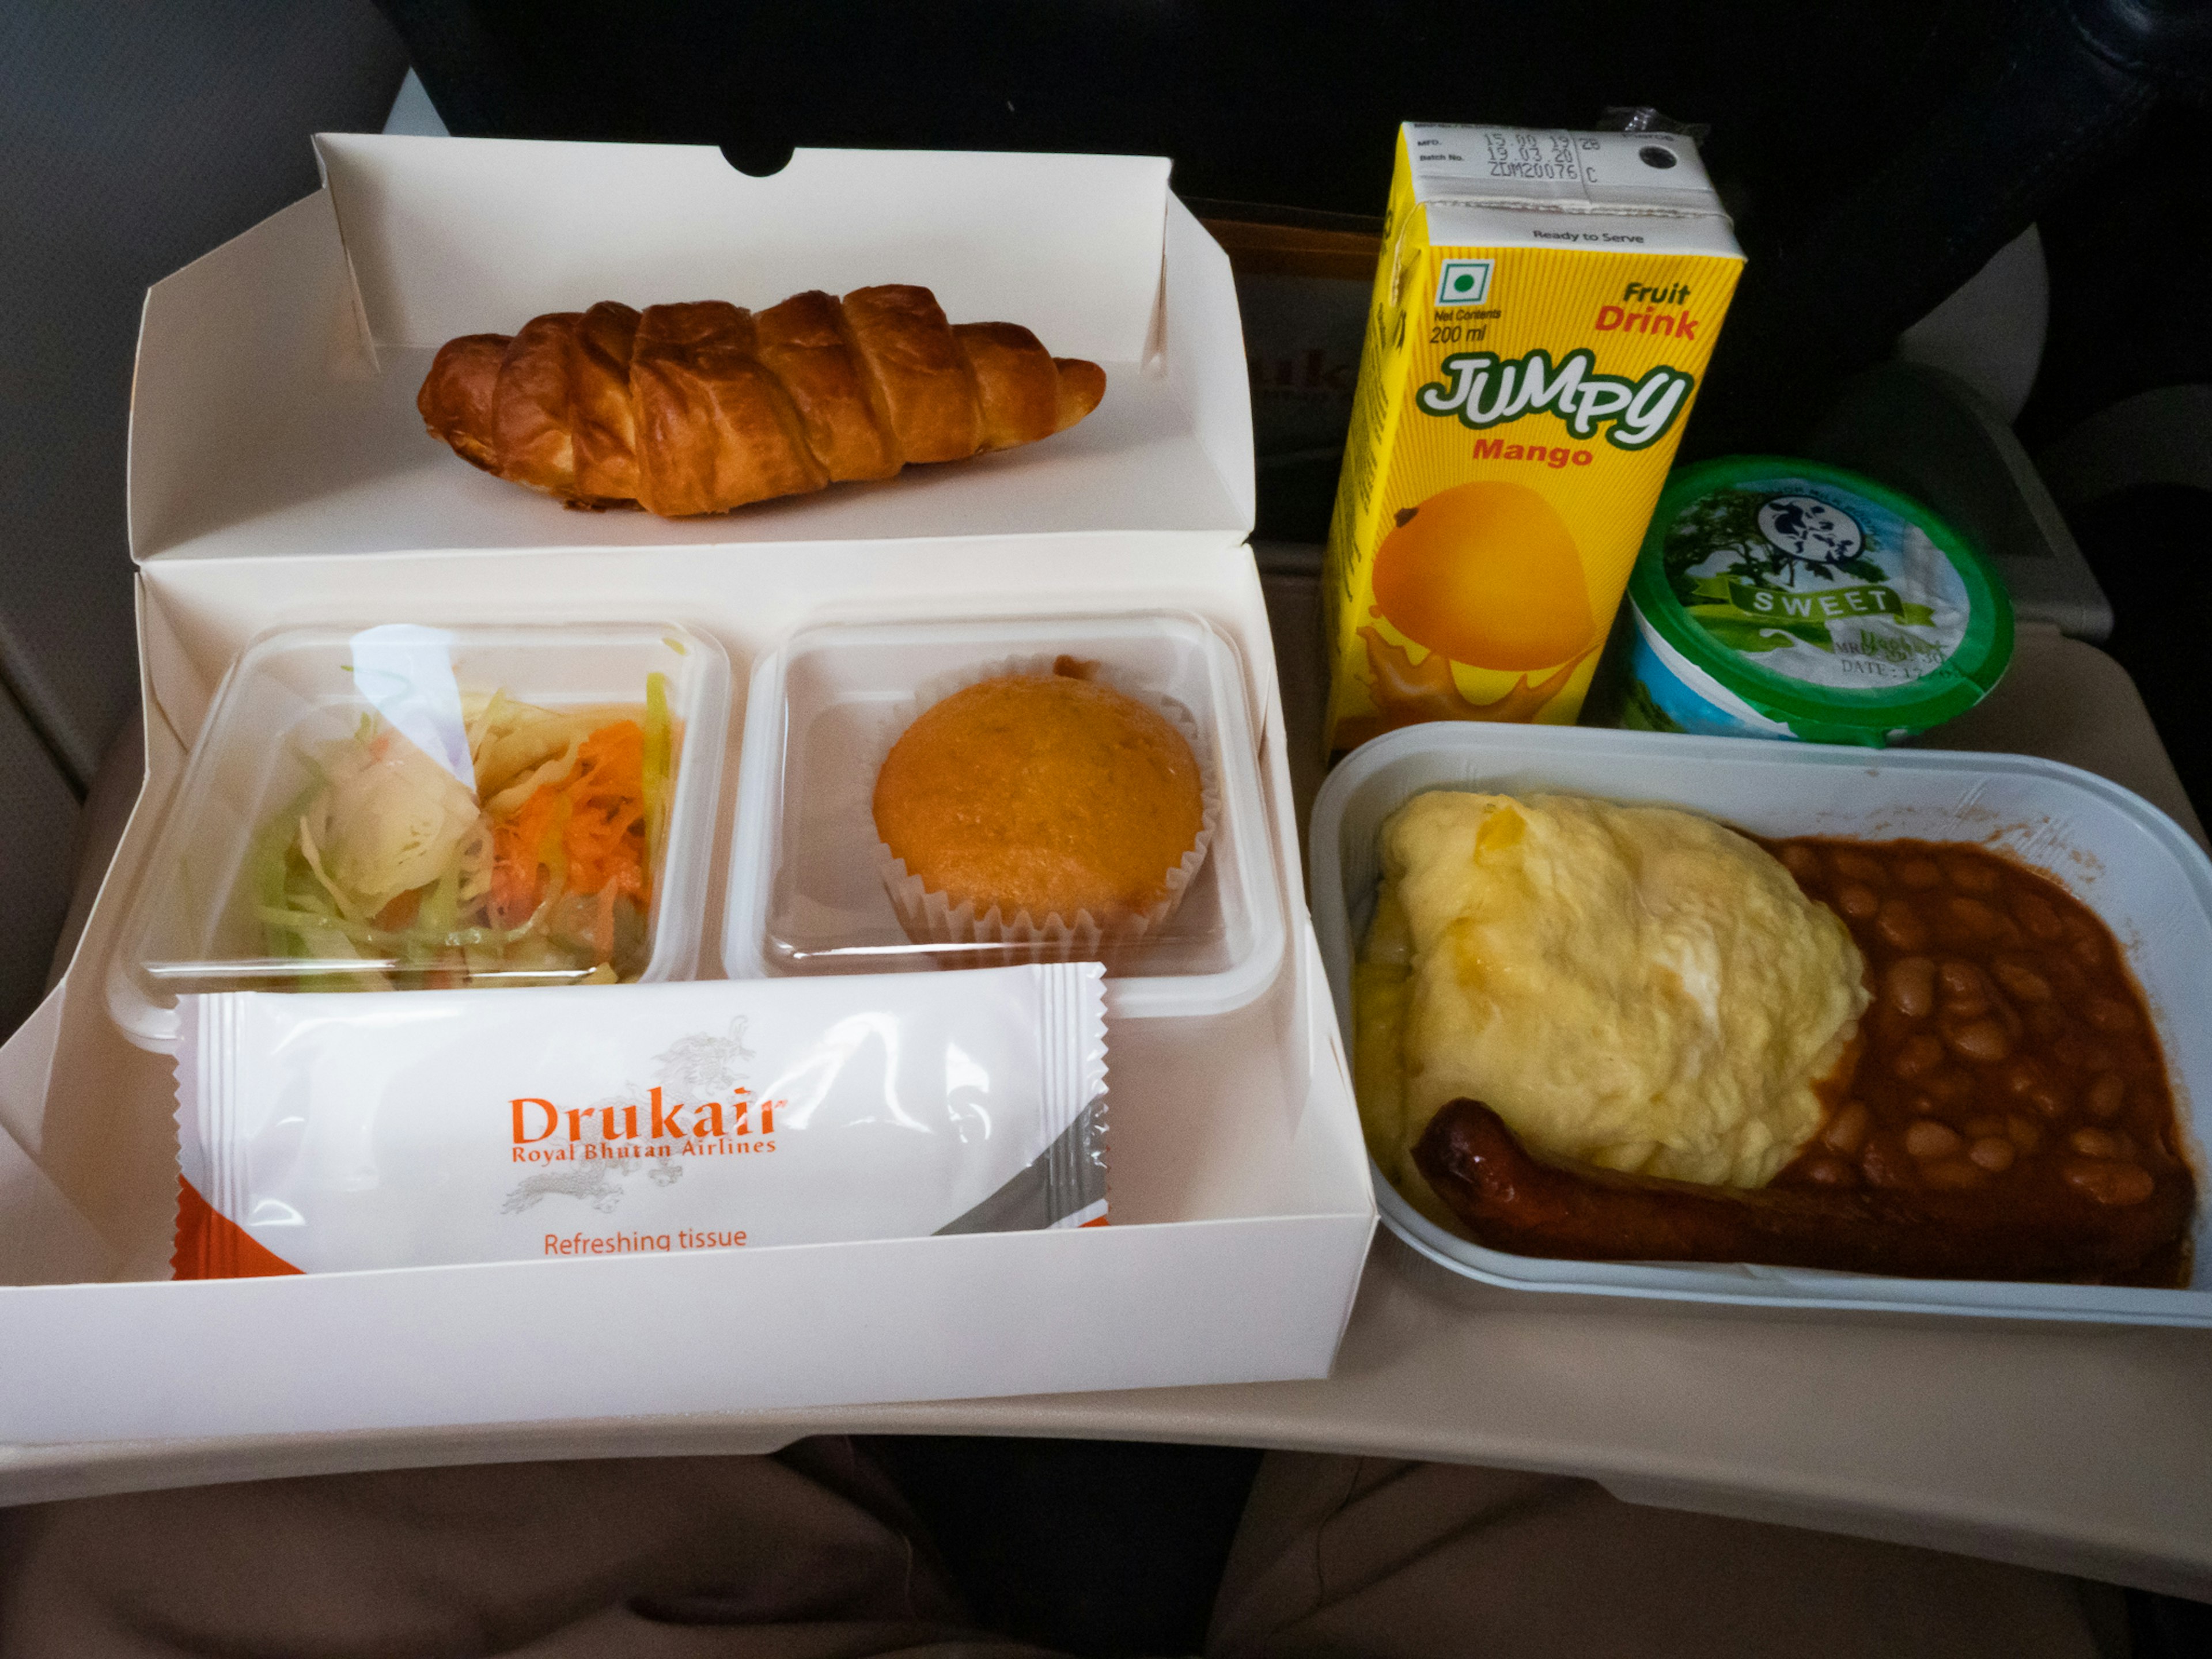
[[1044, 810]]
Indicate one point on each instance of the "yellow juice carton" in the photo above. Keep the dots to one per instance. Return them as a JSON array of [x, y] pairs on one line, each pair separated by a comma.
[[1543, 312]]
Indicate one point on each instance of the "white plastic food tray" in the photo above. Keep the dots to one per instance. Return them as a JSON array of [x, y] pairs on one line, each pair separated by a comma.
[[2131, 864], [293, 689], [805, 893]]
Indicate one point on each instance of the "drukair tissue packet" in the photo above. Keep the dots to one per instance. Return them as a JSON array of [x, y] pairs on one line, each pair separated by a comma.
[[323, 1132]]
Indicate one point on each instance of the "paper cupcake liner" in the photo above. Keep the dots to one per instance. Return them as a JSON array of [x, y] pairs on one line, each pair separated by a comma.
[[934, 918]]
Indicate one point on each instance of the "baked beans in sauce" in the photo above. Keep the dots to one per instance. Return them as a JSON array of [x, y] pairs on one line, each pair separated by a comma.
[[2007, 1050]]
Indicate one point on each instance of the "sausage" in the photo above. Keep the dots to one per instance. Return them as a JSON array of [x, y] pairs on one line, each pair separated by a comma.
[[1512, 1201]]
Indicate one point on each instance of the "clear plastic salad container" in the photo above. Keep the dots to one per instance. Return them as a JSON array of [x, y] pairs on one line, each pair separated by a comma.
[[806, 892], [404, 807]]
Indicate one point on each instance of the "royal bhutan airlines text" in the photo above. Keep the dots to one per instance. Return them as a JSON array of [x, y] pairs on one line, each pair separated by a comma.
[[711, 1129]]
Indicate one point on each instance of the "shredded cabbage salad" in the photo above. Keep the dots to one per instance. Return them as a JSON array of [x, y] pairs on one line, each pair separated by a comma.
[[542, 875]]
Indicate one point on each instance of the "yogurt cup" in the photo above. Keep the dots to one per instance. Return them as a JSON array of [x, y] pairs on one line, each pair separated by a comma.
[[1785, 598]]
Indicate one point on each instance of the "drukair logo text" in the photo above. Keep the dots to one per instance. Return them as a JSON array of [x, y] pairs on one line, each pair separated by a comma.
[[1485, 391]]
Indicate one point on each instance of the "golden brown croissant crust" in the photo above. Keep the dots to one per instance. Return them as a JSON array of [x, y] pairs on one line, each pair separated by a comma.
[[704, 407]]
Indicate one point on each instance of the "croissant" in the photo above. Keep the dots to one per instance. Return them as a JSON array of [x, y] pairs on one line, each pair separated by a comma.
[[701, 408]]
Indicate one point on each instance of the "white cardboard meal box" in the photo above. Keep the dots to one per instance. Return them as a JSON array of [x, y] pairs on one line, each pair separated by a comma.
[[280, 476]]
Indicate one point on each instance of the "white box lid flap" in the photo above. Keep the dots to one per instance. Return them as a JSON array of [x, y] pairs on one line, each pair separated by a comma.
[[273, 412]]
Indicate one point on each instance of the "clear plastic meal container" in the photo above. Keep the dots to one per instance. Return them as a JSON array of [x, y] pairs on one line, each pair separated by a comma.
[[2129, 862], [806, 892], [295, 712]]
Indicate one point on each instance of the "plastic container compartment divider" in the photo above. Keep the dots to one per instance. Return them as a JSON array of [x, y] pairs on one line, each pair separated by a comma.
[[2137, 869], [805, 896], [190, 926]]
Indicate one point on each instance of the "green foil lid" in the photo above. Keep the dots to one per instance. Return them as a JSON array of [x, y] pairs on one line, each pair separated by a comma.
[[1823, 599]]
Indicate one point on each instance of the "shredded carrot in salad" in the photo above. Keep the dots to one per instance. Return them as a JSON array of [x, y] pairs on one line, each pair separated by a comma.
[[593, 818]]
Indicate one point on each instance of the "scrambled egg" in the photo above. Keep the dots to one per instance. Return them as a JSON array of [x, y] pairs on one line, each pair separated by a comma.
[[1630, 987]]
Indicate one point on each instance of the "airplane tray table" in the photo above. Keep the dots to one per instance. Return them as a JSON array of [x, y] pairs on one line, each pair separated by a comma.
[[2082, 1449]]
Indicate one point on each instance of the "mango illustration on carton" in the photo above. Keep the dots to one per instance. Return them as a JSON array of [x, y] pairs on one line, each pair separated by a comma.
[[1544, 310]]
